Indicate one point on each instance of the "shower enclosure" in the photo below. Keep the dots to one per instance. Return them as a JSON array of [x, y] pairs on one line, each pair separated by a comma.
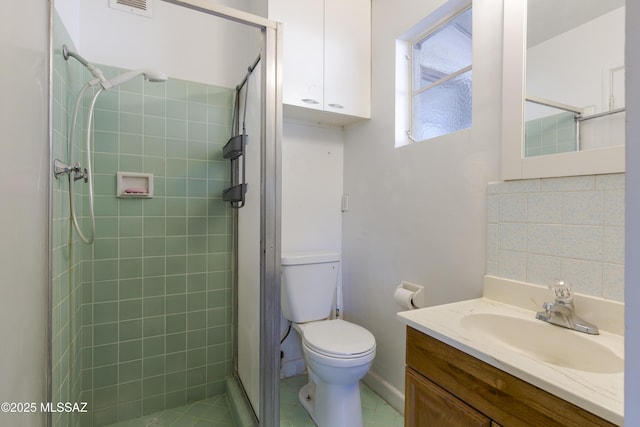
[[176, 297]]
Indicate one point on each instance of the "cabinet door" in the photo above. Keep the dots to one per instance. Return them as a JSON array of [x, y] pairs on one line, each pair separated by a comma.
[[303, 24], [347, 57], [428, 405]]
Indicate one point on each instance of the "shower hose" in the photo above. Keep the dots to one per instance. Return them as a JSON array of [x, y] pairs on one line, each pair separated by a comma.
[[88, 174]]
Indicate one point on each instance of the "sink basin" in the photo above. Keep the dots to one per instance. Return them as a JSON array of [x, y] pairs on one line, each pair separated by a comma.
[[548, 343]]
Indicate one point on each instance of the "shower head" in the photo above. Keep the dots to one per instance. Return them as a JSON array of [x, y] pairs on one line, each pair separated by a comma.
[[150, 75]]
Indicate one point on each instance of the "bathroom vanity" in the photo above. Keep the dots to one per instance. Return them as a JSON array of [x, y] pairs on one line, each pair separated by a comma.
[[447, 387], [488, 362]]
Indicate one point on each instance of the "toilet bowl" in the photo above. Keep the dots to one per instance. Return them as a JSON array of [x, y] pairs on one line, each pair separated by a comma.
[[338, 354]]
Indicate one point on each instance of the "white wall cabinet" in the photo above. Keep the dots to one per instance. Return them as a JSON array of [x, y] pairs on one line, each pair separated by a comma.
[[327, 58]]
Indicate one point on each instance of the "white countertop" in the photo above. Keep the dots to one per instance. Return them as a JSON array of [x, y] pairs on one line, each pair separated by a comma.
[[596, 392]]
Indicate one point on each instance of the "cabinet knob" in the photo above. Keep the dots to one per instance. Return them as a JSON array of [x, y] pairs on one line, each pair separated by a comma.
[[309, 101], [336, 106]]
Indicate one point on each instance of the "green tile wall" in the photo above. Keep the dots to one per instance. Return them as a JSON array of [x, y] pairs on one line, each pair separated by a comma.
[[66, 249], [550, 135], [141, 318], [156, 316]]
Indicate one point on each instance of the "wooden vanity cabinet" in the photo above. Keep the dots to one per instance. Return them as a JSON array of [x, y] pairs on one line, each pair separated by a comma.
[[446, 387], [434, 406]]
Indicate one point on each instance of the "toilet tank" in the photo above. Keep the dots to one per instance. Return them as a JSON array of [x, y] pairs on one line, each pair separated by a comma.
[[309, 282]]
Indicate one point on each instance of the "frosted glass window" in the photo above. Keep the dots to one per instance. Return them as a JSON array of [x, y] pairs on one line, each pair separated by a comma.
[[443, 52], [441, 79], [443, 109]]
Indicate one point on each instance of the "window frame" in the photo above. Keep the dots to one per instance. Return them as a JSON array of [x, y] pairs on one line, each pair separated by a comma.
[[413, 93]]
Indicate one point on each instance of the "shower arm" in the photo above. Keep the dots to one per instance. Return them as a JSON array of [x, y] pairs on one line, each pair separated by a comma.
[[95, 71], [66, 53]]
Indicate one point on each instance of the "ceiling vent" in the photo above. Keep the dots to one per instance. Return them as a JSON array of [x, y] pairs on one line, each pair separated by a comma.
[[138, 7]]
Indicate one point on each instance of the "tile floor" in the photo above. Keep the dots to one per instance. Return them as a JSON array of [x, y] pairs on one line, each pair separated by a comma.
[[215, 411], [375, 411], [210, 412]]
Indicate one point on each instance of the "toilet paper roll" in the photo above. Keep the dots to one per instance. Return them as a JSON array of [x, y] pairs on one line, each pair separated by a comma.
[[404, 297]]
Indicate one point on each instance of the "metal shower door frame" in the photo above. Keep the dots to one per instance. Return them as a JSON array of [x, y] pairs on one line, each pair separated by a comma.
[[270, 199]]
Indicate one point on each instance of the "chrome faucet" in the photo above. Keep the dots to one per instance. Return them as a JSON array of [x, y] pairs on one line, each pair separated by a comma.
[[562, 313]]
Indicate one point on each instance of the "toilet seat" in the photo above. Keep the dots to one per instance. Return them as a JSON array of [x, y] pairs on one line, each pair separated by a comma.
[[338, 339]]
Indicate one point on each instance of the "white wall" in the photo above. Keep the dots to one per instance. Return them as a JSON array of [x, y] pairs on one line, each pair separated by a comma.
[[417, 213], [180, 42], [24, 185], [69, 13], [312, 182], [632, 232], [570, 68], [312, 167]]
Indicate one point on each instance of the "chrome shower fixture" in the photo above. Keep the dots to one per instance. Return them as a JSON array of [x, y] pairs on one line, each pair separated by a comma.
[[150, 75], [76, 172]]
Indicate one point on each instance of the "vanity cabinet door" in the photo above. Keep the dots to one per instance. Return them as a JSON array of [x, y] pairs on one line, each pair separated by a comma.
[[502, 397], [427, 405]]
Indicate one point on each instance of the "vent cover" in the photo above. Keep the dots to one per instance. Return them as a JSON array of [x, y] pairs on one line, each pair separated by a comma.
[[138, 7]]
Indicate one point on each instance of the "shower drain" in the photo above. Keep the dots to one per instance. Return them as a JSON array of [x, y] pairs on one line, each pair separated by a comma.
[[154, 422]]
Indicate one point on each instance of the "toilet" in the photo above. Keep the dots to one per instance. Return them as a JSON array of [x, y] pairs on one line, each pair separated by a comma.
[[337, 353]]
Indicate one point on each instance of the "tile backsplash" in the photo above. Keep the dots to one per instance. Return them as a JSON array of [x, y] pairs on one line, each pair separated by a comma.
[[572, 228]]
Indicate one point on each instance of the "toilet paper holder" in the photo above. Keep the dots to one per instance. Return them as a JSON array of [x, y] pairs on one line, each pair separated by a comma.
[[417, 293]]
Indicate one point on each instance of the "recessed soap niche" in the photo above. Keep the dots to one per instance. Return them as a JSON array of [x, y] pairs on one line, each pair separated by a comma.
[[134, 185]]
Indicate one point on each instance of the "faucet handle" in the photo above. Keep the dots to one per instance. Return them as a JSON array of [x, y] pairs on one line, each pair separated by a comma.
[[562, 291]]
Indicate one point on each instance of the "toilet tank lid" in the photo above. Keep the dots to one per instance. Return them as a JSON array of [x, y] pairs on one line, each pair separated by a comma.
[[318, 257]]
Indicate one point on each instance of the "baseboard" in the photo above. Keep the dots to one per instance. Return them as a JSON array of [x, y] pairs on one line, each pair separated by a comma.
[[384, 389], [238, 404]]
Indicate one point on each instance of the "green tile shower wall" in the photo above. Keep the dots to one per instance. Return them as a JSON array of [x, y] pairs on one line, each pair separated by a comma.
[[549, 135], [141, 318], [66, 256], [156, 316]]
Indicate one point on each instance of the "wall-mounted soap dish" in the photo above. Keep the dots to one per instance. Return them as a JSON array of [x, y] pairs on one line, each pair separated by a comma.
[[134, 185]]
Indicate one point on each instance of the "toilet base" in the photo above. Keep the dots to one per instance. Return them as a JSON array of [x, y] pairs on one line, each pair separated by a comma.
[[332, 405], [307, 399]]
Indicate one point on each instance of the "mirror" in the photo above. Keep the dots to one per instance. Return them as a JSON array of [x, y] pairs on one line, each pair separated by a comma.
[[563, 88], [574, 75]]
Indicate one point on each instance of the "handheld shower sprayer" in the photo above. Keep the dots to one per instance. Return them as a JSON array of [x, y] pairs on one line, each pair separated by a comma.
[[103, 84], [150, 75]]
